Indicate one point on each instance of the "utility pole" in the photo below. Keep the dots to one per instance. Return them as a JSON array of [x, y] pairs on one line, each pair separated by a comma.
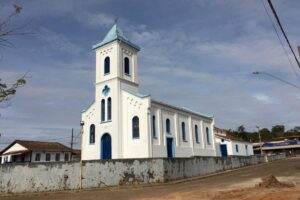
[[81, 170], [259, 140], [72, 135]]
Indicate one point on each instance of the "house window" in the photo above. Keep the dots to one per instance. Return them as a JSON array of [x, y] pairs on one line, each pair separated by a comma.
[[57, 157], [135, 127], [196, 134], [48, 156], [183, 131], [168, 126], [153, 126], [66, 157], [237, 148], [126, 66], [106, 65], [92, 134], [207, 136], [38, 157], [102, 110], [109, 108]]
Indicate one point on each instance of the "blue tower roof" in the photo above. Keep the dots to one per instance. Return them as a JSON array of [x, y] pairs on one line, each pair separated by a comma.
[[115, 33]]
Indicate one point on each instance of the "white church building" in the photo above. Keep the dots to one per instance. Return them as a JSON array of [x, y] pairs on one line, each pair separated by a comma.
[[123, 123]]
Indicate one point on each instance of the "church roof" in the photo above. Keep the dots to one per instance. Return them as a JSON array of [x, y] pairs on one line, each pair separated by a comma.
[[115, 33]]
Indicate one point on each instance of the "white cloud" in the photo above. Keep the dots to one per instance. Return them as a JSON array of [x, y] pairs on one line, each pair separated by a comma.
[[263, 98], [58, 42]]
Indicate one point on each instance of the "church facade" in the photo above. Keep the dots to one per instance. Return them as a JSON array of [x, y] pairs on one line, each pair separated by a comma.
[[123, 123]]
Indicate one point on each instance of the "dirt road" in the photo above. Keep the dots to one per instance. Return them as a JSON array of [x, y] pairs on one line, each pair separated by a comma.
[[238, 184]]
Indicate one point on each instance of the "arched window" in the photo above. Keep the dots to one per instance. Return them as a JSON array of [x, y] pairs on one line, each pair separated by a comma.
[[183, 131], [196, 134], [168, 126], [135, 127], [207, 135], [92, 134], [109, 108], [106, 65], [126, 66], [153, 126], [102, 110]]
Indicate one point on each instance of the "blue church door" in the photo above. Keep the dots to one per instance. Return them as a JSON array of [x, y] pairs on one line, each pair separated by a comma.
[[170, 148], [223, 148], [106, 146]]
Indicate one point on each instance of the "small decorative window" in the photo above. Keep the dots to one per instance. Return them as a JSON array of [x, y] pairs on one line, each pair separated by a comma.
[[183, 131], [196, 134], [237, 148], [92, 134], [168, 126], [66, 157], [107, 65], [48, 156], [102, 110], [38, 157], [109, 108], [57, 157], [135, 127], [207, 136], [126, 66], [153, 126]]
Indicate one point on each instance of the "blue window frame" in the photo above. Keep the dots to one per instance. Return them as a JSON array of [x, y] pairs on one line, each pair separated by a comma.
[[135, 127], [207, 136], [107, 65], [237, 148], [153, 126], [126, 66], [183, 131], [92, 134], [109, 108], [168, 126], [102, 110], [196, 134]]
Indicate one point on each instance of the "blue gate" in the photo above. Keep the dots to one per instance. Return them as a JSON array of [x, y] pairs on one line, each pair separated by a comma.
[[223, 148], [106, 146], [170, 148]]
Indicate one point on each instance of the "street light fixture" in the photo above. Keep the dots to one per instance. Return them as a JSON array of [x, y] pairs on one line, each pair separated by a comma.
[[277, 78]]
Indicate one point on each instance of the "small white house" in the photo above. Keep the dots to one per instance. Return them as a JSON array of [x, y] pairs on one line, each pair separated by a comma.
[[123, 123], [21, 151], [227, 145]]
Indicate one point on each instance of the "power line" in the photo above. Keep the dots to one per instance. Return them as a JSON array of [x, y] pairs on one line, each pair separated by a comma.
[[277, 78], [282, 30], [277, 34]]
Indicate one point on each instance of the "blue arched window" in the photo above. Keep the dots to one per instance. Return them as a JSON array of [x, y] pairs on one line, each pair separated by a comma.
[[183, 131], [237, 148], [153, 126], [135, 127], [92, 134], [106, 65], [196, 134], [168, 126], [109, 108], [102, 110], [207, 135], [126, 66]]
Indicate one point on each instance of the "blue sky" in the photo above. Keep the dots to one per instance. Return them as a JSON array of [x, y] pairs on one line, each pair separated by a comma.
[[198, 54]]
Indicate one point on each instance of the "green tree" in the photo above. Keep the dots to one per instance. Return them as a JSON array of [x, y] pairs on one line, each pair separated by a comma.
[[8, 91], [278, 130]]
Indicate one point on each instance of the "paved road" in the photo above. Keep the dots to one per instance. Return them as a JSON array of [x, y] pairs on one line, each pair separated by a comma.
[[286, 170]]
